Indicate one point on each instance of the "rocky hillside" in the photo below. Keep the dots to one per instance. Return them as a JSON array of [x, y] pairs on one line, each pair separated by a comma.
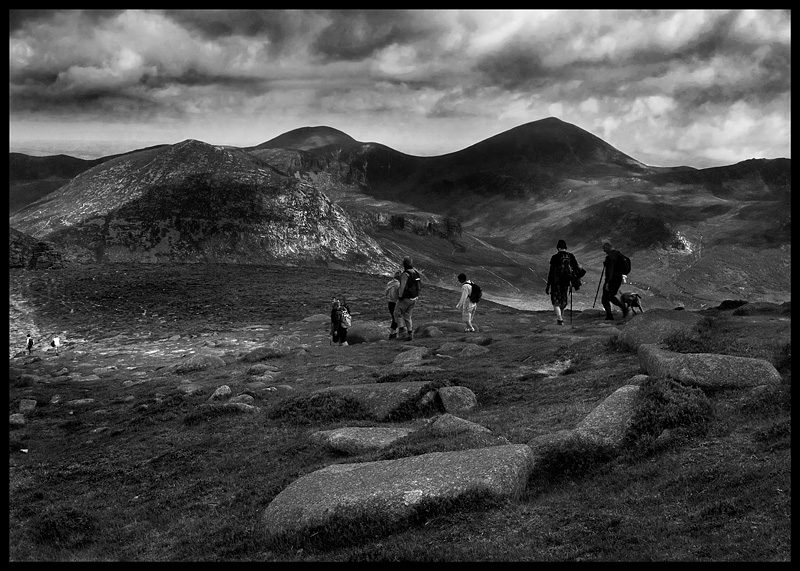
[[194, 202]]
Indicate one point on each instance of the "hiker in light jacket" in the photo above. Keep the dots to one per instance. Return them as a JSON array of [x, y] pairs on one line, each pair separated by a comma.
[[466, 306], [391, 298]]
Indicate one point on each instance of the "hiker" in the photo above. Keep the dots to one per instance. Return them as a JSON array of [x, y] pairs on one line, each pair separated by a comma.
[[465, 304], [56, 342], [407, 293], [338, 327], [563, 268], [391, 297], [29, 344], [612, 267]]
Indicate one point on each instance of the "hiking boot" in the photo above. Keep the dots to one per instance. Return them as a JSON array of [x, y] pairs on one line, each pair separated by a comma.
[[392, 335], [609, 318], [560, 322], [343, 344]]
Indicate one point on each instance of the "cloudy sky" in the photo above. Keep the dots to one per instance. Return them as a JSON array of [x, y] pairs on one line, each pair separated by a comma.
[[689, 87]]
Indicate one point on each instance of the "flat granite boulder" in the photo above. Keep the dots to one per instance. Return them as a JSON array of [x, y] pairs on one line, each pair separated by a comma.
[[391, 491], [358, 440], [381, 399], [707, 370]]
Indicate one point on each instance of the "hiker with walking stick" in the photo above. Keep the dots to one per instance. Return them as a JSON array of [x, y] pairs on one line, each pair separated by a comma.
[[564, 272], [612, 266]]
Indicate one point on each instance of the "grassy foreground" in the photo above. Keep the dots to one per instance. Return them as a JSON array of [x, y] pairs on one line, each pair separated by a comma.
[[147, 473]]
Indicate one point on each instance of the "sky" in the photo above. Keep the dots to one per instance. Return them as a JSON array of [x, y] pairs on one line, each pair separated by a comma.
[[700, 88]]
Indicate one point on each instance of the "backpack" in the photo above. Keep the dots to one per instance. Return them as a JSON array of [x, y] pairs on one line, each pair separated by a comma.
[[476, 293], [563, 274], [576, 279], [346, 320], [625, 262], [412, 284]]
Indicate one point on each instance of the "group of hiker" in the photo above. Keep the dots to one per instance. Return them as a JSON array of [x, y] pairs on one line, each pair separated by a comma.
[[55, 343], [564, 276]]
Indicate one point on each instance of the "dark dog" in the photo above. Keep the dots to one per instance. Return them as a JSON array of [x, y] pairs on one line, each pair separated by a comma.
[[632, 300]]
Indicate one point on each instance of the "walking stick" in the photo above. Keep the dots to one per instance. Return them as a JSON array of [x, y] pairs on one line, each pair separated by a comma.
[[598, 286], [570, 305]]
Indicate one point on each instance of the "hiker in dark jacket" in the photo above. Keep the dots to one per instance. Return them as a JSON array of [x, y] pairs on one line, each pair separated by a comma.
[[613, 269], [558, 287], [338, 331], [405, 304]]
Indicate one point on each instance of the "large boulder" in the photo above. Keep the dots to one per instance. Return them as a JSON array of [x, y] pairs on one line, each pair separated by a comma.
[[392, 491], [707, 370], [604, 427], [654, 326], [609, 421], [366, 332], [383, 399]]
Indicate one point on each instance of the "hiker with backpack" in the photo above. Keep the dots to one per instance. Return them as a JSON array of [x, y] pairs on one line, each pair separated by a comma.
[[565, 273], [407, 293], [614, 268], [391, 297], [470, 296], [29, 344], [340, 322]]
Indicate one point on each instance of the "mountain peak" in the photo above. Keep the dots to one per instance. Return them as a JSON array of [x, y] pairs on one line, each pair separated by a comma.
[[307, 138]]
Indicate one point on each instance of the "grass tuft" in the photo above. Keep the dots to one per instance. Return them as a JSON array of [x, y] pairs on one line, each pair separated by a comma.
[[64, 527]]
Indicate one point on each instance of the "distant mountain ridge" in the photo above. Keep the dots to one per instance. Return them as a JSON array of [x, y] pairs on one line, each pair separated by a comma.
[[496, 208]]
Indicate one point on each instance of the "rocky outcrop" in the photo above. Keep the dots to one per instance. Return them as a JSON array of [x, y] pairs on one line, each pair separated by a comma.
[[707, 370], [20, 248]]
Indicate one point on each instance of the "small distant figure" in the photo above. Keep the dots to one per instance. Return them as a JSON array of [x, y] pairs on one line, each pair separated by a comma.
[[56, 342], [465, 304], [391, 297], [632, 300], [408, 293], [612, 266], [564, 272], [340, 321], [29, 344]]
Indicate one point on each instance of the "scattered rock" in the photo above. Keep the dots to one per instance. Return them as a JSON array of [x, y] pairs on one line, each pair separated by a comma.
[[16, 420], [27, 405], [457, 399], [199, 363], [221, 393], [411, 357], [447, 424]]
